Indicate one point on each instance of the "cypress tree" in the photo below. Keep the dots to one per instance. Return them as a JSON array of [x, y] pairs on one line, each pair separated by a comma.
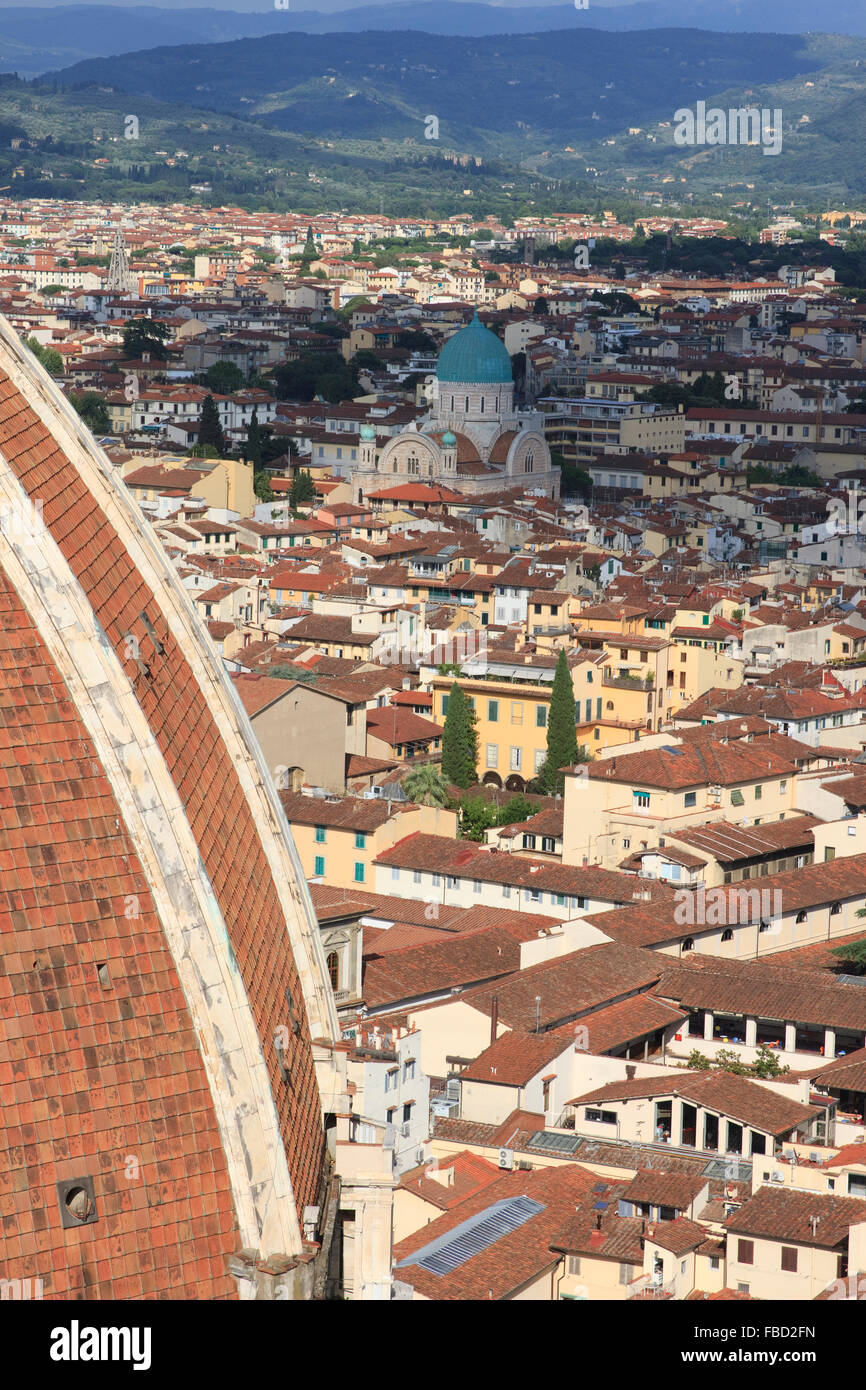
[[254, 442], [210, 431], [459, 740], [561, 732]]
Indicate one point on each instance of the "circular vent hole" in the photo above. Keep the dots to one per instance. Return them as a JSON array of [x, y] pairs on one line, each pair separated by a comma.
[[78, 1203]]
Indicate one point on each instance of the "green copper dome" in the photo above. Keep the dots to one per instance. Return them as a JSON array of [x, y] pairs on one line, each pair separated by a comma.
[[474, 354], [449, 440], [367, 432]]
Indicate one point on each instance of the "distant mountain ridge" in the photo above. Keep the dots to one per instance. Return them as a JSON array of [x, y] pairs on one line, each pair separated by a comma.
[[36, 40]]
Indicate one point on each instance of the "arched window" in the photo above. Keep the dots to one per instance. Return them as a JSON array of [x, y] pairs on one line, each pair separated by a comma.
[[835, 909], [334, 969], [688, 944], [727, 935], [412, 464], [802, 916]]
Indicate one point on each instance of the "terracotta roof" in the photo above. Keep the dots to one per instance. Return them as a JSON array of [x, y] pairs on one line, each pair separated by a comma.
[[358, 813], [513, 1260], [728, 843], [744, 1101], [515, 1057], [257, 692], [467, 1174], [665, 1189], [462, 858], [702, 764], [569, 987], [678, 1236], [766, 991], [785, 1214]]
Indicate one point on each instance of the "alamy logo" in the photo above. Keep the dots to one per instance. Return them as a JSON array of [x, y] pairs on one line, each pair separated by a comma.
[[433, 648], [742, 125], [17, 1290], [726, 907], [847, 516], [77, 1343]]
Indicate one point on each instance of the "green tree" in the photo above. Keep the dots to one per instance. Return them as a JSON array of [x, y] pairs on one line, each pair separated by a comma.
[[93, 410], [286, 672], [561, 733], [143, 335], [516, 808], [210, 431], [476, 817], [697, 1061], [224, 378], [459, 740], [302, 490], [254, 444], [852, 953], [203, 451], [49, 357], [726, 1059], [426, 786], [262, 487], [767, 1064]]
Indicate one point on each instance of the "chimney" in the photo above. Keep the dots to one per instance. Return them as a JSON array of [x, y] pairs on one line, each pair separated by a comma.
[[630, 1073], [494, 1017]]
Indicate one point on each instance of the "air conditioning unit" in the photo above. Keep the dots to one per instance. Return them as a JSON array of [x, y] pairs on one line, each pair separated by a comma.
[[452, 1088], [776, 1177], [506, 1158], [404, 1131]]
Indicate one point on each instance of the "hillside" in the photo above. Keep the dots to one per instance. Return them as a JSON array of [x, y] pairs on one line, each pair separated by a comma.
[[563, 104]]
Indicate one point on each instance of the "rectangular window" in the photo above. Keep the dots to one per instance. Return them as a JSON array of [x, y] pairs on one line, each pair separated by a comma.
[[359, 871], [641, 800], [574, 1264], [476, 885], [746, 1252], [319, 866], [409, 1069], [445, 699], [407, 1111], [541, 716], [491, 754], [690, 798], [759, 792], [320, 834], [360, 840], [395, 875], [516, 759], [516, 712], [789, 1259], [391, 1078], [493, 711], [416, 875]]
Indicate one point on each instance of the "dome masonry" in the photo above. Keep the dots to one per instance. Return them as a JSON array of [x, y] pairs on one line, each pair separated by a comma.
[[476, 355], [167, 919], [449, 440], [367, 432]]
